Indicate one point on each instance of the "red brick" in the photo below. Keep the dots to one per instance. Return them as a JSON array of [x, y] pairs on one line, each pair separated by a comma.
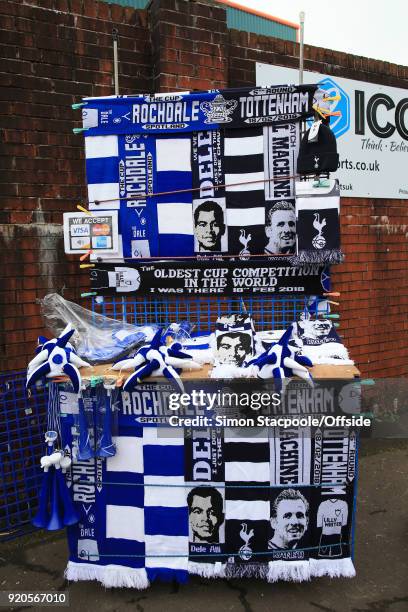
[[203, 10], [75, 6], [20, 217], [210, 24], [175, 67], [176, 17], [181, 43], [166, 4], [14, 323], [15, 336], [91, 8], [117, 13], [31, 335]]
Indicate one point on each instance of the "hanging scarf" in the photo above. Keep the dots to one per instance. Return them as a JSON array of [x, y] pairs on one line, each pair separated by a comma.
[[196, 173], [318, 223]]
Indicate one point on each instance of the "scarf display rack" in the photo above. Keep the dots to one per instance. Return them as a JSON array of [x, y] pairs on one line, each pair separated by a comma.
[[135, 507], [208, 177]]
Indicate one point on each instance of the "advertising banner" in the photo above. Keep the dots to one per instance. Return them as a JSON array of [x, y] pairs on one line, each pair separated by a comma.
[[372, 131]]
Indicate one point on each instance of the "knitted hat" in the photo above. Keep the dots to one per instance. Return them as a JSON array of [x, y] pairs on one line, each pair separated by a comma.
[[318, 156]]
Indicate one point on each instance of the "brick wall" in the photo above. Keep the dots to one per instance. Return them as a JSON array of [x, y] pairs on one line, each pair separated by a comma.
[[59, 50], [190, 42], [55, 52]]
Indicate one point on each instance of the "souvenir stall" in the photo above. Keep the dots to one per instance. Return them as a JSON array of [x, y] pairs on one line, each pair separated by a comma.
[[209, 231]]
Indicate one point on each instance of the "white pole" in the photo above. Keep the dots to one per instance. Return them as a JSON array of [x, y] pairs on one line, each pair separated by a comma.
[[115, 61], [301, 46]]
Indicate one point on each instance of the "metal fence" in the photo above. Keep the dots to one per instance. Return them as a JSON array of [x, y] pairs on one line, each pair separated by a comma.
[[22, 427], [269, 312]]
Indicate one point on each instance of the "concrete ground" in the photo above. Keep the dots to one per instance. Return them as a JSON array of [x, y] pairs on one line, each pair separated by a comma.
[[36, 562]]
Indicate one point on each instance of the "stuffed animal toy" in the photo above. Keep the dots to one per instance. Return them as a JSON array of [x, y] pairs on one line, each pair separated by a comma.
[[282, 361], [56, 357], [155, 359]]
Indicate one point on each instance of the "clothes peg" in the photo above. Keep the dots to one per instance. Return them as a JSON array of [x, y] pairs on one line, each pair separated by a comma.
[[84, 210], [320, 182], [85, 255], [325, 112], [332, 98]]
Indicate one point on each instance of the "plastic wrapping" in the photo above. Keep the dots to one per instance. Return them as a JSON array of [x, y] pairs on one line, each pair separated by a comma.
[[178, 332], [97, 338]]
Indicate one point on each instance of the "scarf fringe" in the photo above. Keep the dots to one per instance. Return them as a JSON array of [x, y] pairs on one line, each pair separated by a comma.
[[328, 360], [291, 571], [335, 568], [325, 256], [207, 570], [228, 371], [329, 353], [246, 570], [108, 575]]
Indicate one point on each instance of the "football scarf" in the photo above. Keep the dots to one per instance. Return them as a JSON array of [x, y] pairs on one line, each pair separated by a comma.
[[204, 277], [331, 521], [184, 112], [215, 502], [247, 472], [319, 340], [234, 340], [319, 154], [217, 179], [318, 223]]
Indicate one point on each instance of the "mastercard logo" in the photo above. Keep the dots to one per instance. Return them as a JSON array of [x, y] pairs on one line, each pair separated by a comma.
[[101, 229]]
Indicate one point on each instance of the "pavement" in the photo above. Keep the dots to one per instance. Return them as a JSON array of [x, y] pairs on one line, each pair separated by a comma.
[[37, 561]]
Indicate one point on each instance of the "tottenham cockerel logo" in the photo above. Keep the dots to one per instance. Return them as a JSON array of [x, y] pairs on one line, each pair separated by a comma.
[[319, 241], [244, 239], [245, 552]]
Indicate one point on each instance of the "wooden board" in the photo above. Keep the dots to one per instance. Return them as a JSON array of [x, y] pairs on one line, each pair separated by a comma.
[[318, 372]]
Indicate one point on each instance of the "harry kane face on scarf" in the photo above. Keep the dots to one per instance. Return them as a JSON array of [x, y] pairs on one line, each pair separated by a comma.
[[316, 328], [205, 509], [209, 226], [289, 521], [280, 229]]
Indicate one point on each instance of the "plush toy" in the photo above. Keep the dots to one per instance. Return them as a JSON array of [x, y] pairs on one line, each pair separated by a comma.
[[56, 357], [157, 360], [281, 361]]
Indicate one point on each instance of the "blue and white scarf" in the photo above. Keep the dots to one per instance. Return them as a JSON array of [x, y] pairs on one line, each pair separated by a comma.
[[176, 502], [205, 188]]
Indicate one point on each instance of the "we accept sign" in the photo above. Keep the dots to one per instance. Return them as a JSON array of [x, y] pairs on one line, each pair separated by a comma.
[[372, 131]]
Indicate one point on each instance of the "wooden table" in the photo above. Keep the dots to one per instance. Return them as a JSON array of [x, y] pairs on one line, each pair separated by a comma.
[[317, 371]]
